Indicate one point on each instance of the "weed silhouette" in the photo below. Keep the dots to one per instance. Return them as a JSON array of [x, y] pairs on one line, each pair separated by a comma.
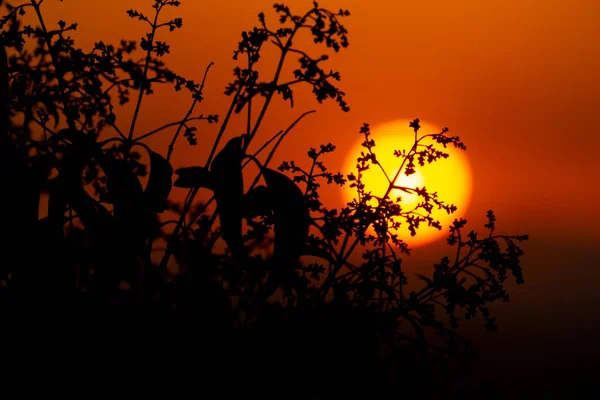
[[226, 290]]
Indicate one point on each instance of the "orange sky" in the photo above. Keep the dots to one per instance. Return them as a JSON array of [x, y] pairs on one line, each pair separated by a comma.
[[517, 80]]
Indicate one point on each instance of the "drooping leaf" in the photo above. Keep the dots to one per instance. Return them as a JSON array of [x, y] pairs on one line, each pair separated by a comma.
[[193, 177], [67, 187], [159, 183], [124, 187], [291, 216], [129, 230], [228, 185], [93, 215], [424, 278], [257, 202]]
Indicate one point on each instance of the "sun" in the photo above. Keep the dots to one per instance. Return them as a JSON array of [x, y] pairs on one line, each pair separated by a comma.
[[450, 177]]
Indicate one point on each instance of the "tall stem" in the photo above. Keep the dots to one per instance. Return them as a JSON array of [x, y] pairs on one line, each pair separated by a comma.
[[272, 152], [223, 127], [193, 192], [284, 52], [224, 124], [187, 115], [138, 105], [59, 76]]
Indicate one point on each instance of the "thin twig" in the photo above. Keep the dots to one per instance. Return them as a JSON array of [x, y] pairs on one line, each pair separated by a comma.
[[187, 115], [144, 79], [59, 76], [274, 149], [223, 127], [183, 121]]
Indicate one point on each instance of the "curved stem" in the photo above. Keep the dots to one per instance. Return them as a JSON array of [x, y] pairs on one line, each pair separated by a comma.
[[197, 98], [170, 124], [223, 127], [194, 191], [274, 149], [279, 69], [264, 146]]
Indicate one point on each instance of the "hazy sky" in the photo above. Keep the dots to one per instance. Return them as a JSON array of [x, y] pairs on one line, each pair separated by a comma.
[[517, 80]]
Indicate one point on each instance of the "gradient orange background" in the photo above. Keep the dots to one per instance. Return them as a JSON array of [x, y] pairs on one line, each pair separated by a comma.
[[517, 80]]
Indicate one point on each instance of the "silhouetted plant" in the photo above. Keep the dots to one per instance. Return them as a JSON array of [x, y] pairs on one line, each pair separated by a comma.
[[249, 272]]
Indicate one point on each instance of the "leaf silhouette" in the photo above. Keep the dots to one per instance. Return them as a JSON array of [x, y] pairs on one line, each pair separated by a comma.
[[68, 185], [291, 216], [193, 177], [424, 278], [129, 230], [107, 260], [257, 202], [94, 216], [124, 187], [67, 189], [228, 185], [159, 183]]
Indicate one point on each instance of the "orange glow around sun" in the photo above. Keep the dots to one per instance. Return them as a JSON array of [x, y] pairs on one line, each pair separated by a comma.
[[449, 177]]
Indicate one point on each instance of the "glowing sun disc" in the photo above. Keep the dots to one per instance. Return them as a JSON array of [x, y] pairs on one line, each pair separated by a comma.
[[450, 177]]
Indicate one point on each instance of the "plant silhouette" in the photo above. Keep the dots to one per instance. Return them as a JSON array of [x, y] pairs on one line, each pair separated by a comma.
[[225, 283]]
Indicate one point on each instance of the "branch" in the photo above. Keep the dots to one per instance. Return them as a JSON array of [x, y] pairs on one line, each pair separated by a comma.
[[59, 76], [144, 75], [183, 121], [281, 137], [196, 100]]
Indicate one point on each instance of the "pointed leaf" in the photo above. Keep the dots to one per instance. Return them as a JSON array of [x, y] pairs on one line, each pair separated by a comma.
[[193, 177], [124, 187], [93, 215], [291, 216], [67, 189], [68, 185], [130, 216], [424, 278], [228, 185], [257, 202], [159, 183]]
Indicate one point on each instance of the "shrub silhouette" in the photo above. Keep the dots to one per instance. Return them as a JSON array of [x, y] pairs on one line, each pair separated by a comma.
[[241, 293]]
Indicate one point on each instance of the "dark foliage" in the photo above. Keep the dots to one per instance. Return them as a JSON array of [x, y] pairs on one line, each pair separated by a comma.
[[271, 290]]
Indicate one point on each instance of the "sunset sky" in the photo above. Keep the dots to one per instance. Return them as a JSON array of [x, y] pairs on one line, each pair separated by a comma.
[[517, 80]]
